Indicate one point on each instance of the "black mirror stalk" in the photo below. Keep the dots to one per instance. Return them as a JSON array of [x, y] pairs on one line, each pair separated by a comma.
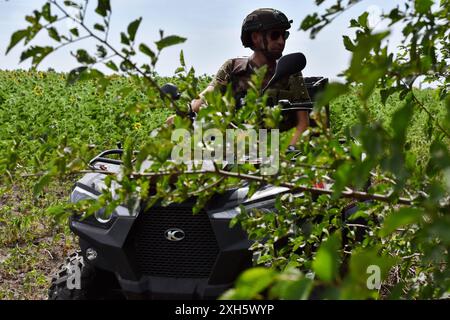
[[287, 65]]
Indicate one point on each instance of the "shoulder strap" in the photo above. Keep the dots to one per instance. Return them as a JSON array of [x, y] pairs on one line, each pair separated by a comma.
[[239, 65], [239, 70]]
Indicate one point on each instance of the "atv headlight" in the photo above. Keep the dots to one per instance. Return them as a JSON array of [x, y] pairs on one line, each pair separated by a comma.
[[102, 217], [99, 218]]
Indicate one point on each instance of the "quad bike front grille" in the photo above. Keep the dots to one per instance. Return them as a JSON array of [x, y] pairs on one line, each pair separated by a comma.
[[192, 257]]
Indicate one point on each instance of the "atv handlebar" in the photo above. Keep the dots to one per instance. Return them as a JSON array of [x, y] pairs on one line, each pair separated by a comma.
[[298, 106]]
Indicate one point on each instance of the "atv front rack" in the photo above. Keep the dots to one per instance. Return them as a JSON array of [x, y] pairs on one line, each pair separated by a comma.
[[101, 157]]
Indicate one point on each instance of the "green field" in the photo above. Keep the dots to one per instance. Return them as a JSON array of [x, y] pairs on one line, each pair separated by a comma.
[[39, 112]]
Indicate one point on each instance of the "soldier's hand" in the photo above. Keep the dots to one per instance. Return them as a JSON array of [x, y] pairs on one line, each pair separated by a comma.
[[169, 120], [196, 104]]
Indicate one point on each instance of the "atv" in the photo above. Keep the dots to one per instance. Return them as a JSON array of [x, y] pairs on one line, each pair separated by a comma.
[[164, 252]]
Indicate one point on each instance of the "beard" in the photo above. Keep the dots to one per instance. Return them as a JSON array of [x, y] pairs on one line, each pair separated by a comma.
[[273, 55]]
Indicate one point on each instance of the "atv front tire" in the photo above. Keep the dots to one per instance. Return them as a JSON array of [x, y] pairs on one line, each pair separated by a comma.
[[92, 283]]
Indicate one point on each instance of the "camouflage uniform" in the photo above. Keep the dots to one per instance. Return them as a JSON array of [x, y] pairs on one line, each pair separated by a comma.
[[238, 72]]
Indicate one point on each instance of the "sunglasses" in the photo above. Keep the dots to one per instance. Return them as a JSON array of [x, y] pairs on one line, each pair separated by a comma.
[[276, 34]]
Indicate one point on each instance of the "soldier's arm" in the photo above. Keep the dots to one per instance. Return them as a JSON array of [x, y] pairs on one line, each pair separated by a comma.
[[220, 80], [197, 103], [302, 125]]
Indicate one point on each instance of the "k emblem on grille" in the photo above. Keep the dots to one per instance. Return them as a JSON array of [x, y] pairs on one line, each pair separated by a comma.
[[174, 234]]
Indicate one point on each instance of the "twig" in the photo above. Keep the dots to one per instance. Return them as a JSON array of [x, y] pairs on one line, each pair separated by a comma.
[[412, 256], [336, 15], [72, 41], [108, 27], [86, 2], [190, 194], [104, 59], [352, 194], [356, 225], [134, 174], [49, 253]]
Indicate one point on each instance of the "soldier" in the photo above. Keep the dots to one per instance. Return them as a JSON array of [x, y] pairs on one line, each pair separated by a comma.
[[265, 32]]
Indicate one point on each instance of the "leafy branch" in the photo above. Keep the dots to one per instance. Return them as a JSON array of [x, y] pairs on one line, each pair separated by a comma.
[[348, 193]]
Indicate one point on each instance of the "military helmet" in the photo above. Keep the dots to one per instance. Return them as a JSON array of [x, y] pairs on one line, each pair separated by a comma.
[[261, 20]]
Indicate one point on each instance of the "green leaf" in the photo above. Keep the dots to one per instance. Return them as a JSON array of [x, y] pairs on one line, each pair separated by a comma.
[[370, 82], [182, 62], [101, 51], [386, 93], [53, 33], [333, 90], [354, 23], [84, 57], [132, 28], [112, 65], [169, 41], [72, 4], [75, 74], [310, 21], [99, 27], [103, 7], [124, 39], [125, 91], [363, 258], [58, 212], [36, 53], [362, 19], [423, 6], [40, 185], [300, 290], [252, 282], [47, 14], [179, 70], [296, 290], [125, 66], [147, 51], [94, 74], [16, 38], [342, 177], [401, 120], [348, 43], [326, 262], [441, 230], [75, 32], [439, 158], [395, 15], [400, 218]]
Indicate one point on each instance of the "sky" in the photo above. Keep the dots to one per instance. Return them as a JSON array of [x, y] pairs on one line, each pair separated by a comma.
[[212, 29]]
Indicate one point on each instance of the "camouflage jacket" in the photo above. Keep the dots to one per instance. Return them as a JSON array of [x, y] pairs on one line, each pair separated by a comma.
[[238, 72]]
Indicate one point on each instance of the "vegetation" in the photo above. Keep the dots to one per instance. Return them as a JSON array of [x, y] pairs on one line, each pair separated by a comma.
[[395, 135]]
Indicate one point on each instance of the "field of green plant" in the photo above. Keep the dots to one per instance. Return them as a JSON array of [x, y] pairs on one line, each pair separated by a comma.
[[345, 109], [38, 112], [41, 116]]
